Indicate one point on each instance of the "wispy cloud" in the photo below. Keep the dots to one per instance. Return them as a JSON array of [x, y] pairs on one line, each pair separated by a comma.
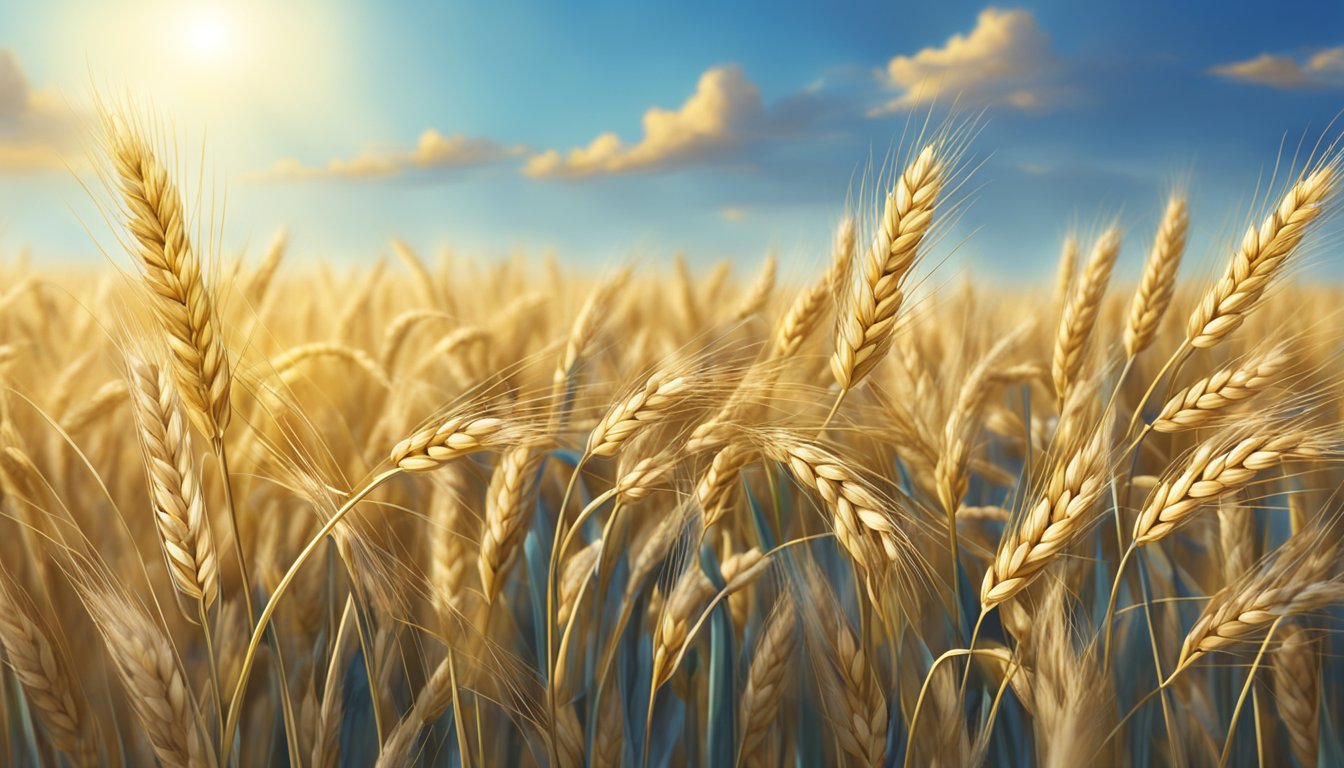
[[710, 121], [433, 151], [1323, 69], [36, 134], [1004, 60], [733, 213]]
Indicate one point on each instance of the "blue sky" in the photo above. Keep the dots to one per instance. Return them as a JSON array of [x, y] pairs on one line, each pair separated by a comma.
[[614, 130]]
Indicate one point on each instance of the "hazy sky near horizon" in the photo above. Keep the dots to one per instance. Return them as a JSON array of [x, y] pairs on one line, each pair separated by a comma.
[[608, 130]]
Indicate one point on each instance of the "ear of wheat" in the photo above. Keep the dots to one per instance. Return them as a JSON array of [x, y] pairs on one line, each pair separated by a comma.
[[1080, 313], [661, 393], [43, 669], [866, 318], [1260, 258], [175, 491], [1198, 403], [1297, 682], [1055, 520], [1158, 283], [156, 219], [155, 685], [1214, 470]]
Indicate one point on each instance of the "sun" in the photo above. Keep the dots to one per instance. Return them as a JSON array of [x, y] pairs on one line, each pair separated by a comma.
[[208, 33]]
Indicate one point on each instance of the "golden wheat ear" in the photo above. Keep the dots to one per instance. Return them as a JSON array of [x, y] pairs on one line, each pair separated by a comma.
[[154, 215], [867, 316], [1262, 256]]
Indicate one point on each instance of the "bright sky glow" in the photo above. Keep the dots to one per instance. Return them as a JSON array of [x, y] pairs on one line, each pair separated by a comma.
[[609, 129]]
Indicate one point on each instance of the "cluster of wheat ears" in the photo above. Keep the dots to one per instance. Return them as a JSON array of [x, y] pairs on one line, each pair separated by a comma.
[[502, 514]]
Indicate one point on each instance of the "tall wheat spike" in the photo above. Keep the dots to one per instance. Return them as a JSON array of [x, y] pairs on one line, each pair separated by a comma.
[[866, 318], [156, 219]]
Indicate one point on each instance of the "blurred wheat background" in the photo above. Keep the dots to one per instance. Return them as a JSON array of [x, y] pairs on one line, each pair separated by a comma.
[[440, 512]]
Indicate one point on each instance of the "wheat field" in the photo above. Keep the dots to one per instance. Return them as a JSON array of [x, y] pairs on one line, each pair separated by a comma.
[[440, 512]]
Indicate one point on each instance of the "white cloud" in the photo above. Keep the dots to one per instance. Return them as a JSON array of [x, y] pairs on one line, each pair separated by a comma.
[[433, 150], [733, 213], [711, 120], [1005, 59], [1323, 69], [36, 133], [13, 86]]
